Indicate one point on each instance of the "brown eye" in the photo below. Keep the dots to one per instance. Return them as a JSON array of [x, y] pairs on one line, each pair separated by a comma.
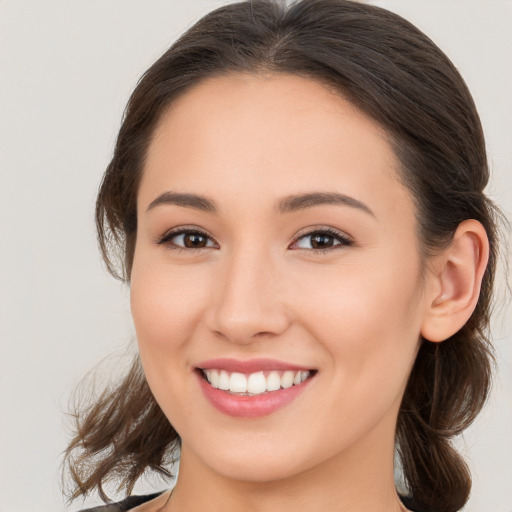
[[187, 240], [194, 240], [322, 241]]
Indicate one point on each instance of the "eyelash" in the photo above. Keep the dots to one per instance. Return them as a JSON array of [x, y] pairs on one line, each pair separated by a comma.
[[344, 240], [167, 237]]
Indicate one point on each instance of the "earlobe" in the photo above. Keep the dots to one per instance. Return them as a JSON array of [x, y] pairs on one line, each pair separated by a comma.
[[455, 281]]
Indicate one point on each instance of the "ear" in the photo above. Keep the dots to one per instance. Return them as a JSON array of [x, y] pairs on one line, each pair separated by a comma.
[[454, 280]]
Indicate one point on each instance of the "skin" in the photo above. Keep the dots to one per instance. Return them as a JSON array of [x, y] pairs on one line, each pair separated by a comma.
[[354, 312]]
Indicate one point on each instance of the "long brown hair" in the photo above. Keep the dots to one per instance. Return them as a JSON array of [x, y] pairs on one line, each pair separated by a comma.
[[400, 78]]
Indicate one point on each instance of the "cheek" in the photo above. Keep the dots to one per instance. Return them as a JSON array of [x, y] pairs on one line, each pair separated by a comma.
[[166, 307], [166, 311], [368, 327], [368, 318]]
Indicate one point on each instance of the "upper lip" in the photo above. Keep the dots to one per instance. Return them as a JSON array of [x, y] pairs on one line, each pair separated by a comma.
[[249, 365]]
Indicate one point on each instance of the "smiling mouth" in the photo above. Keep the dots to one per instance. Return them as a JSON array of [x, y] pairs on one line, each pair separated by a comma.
[[257, 383]]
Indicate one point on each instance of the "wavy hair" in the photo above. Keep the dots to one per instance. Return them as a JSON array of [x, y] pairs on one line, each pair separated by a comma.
[[396, 75]]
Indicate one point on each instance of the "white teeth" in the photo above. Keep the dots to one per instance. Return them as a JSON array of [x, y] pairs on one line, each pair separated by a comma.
[[223, 380], [214, 378], [273, 381], [255, 383], [238, 383], [287, 379]]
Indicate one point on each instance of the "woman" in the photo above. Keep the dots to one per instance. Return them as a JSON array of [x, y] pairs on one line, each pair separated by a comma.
[[296, 194]]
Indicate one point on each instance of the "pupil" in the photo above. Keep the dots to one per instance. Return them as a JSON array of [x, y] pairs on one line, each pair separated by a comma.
[[321, 241], [194, 240]]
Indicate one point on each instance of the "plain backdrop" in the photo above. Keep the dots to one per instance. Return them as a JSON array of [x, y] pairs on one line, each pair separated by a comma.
[[66, 70]]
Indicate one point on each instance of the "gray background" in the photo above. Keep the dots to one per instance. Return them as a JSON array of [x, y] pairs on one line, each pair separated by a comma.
[[66, 70]]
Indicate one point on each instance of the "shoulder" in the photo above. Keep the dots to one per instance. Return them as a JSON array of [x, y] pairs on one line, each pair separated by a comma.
[[124, 505]]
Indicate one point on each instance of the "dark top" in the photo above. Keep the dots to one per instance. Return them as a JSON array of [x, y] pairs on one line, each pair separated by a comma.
[[135, 501], [126, 504]]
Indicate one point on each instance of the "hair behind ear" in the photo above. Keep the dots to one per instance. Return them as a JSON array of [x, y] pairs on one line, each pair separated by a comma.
[[449, 385]]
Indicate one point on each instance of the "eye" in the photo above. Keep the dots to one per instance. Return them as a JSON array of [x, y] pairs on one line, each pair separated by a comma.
[[186, 239], [322, 240]]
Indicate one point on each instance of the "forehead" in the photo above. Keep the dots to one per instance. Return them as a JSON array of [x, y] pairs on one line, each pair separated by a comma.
[[243, 135]]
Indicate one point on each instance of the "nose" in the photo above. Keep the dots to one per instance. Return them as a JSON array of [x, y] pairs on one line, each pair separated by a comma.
[[249, 299]]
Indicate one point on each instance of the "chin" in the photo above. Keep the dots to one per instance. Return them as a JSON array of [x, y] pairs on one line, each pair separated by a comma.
[[258, 461], [258, 469]]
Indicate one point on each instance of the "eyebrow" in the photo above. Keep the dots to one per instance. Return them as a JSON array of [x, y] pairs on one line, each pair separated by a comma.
[[186, 200], [302, 201], [288, 204]]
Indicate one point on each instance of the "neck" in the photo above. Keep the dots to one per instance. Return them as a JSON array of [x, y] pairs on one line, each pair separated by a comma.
[[359, 479]]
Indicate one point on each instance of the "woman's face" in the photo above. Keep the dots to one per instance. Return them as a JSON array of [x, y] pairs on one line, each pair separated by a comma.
[[274, 235]]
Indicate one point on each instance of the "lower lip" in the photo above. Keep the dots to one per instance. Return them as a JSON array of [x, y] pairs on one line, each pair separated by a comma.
[[245, 406]]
